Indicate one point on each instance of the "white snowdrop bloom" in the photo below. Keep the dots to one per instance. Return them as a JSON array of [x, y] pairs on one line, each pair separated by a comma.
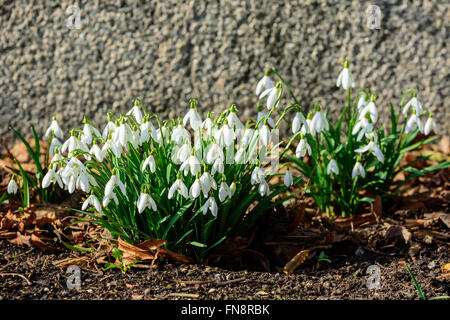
[[263, 189], [303, 148], [124, 135], [345, 78], [288, 179], [191, 164], [183, 152], [270, 121], [210, 205], [149, 162], [145, 201], [374, 149], [263, 84], [195, 189], [136, 113], [218, 167], [89, 132], [194, 119], [247, 137], [179, 187], [12, 187], [51, 177], [362, 102], [110, 127], [207, 125], [257, 176], [371, 109], [56, 158], [147, 129], [93, 201], [214, 153], [164, 132], [53, 145], [362, 123], [318, 123], [358, 170], [135, 139], [107, 199], [430, 125], [224, 191], [180, 135], [54, 129], [115, 148], [227, 135], [70, 145], [113, 182], [415, 103], [297, 122], [264, 135], [332, 167], [413, 123], [272, 94], [234, 122], [207, 183], [84, 182], [240, 156], [98, 153]]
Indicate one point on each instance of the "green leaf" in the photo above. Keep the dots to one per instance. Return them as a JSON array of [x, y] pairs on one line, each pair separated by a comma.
[[75, 248], [419, 290], [197, 244]]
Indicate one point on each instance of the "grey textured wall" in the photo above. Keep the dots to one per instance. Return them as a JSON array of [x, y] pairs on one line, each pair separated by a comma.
[[169, 51]]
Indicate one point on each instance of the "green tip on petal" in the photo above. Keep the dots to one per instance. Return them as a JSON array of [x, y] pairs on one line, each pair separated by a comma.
[[267, 73], [346, 63]]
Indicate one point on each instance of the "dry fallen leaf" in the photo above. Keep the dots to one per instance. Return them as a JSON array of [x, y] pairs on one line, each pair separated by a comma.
[[296, 261], [398, 233], [446, 267], [132, 253]]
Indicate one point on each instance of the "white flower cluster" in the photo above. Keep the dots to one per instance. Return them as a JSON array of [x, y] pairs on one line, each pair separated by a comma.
[[212, 143]]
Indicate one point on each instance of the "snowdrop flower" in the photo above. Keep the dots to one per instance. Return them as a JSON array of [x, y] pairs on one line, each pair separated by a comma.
[[110, 126], [415, 104], [261, 114], [195, 189], [12, 186], [264, 134], [214, 153], [54, 129], [218, 166], [332, 167], [430, 125], [145, 201], [288, 180], [107, 200], [210, 205], [371, 108], [180, 135], [297, 122], [191, 164], [226, 135], [263, 84], [149, 162], [147, 129], [193, 117], [51, 177], [98, 153], [302, 148], [374, 149], [72, 144], [358, 170], [115, 148], [247, 137], [234, 121], [362, 102], [224, 191], [239, 158], [413, 123], [272, 94], [124, 134], [318, 123], [113, 182], [257, 176], [180, 187], [136, 113], [53, 145], [263, 189], [92, 200], [207, 124], [88, 132], [207, 183], [345, 78]]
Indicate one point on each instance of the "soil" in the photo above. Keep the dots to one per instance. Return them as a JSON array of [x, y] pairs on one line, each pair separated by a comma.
[[411, 229]]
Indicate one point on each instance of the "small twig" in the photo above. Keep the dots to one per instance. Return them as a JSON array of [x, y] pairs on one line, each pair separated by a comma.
[[17, 275], [5, 144]]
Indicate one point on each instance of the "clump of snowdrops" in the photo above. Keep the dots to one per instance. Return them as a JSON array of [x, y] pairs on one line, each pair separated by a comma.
[[355, 154], [190, 181]]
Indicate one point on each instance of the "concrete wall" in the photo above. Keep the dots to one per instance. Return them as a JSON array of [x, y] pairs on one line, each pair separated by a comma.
[[168, 51]]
